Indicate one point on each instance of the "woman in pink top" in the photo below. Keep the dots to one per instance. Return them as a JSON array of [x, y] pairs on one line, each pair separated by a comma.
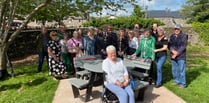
[[75, 44]]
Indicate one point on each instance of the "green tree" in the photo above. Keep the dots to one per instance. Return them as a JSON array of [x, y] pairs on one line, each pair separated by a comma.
[[137, 12], [196, 10], [7, 14], [34, 9]]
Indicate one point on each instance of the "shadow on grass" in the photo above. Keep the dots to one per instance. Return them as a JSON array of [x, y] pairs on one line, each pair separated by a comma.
[[36, 82], [192, 74], [10, 86]]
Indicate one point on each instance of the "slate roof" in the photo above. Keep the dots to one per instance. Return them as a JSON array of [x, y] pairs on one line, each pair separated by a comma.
[[163, 14]]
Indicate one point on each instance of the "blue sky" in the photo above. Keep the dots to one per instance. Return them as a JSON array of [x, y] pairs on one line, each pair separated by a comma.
[[173, 5]]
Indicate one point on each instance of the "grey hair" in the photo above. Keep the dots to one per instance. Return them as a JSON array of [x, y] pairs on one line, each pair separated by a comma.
[[110, 48], [161, 28]]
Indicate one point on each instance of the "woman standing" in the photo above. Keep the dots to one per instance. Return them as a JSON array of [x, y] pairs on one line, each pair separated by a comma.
[[122, 43], [75, 48], [56, 65], [89, 43], [65, 56], [132, 43], [161, 46], [75, 44]]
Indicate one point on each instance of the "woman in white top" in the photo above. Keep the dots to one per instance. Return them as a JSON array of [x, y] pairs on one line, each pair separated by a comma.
[[132, 43], [117, 78]]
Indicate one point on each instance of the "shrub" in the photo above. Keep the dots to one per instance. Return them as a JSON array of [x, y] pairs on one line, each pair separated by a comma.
[[202, 29], [122, 22]]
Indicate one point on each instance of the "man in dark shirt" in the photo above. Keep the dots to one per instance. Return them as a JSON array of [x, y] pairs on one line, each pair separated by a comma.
[[177, 46], [104, 39], [42, 41]]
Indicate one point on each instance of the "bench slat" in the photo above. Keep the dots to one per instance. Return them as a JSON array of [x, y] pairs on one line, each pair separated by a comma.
[[140, 84], [83, 72], [79, 83], [139, 74]]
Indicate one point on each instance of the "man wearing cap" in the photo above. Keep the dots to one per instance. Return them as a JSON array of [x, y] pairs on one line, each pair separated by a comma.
[[177, 46]]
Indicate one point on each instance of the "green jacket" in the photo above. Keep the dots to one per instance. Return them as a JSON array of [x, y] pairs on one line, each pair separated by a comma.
[[146, 47]]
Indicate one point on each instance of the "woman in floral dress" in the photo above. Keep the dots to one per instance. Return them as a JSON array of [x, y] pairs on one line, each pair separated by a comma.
[[56, 65]]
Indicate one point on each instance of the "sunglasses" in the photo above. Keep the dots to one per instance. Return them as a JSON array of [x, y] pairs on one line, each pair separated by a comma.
[[54, 35], [176, 29]]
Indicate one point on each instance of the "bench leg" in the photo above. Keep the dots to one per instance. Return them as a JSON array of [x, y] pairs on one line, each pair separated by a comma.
[[141, 94], [90, 86], [75, 91]]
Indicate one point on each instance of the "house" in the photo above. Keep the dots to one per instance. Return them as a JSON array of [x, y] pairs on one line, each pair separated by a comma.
[[169, 18]]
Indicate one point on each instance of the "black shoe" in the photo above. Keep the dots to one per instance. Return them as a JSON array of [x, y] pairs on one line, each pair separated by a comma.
[[158, 86]]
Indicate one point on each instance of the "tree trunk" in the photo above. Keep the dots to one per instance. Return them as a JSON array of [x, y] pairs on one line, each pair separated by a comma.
[[3, 62]]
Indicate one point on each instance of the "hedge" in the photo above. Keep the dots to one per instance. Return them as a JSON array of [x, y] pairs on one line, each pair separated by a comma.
[[121, 22], [202, 29]]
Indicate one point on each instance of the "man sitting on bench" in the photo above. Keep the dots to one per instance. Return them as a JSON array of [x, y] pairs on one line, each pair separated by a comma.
[[117, 78]]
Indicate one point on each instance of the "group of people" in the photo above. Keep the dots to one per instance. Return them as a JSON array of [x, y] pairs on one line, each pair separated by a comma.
[[152, 44]]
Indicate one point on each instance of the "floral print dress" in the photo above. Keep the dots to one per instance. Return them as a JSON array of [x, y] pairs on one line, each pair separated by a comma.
[[56, 67]]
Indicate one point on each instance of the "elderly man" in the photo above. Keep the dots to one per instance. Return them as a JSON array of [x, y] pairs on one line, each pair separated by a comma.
[[117, 78], [177, 47]]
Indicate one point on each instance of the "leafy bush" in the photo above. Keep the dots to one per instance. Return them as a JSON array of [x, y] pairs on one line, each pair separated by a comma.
[[122, 22], [202, 29]]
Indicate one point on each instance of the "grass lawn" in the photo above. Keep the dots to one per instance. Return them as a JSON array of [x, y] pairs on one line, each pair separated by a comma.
[[197, 76], [28, 86]]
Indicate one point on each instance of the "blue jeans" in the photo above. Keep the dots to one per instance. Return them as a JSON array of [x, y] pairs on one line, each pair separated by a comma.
[[179, 72], [159, 62], [41, 56], [125, 95]]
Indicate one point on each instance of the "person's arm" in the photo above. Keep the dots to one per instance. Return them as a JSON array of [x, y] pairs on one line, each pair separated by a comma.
[[126, 76], [51, 54], [170, 43], [161, 49], [153, 48], [84, 45], [138, 50]]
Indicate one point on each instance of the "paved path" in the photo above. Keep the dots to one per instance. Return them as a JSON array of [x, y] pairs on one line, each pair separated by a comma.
[[64, 94]]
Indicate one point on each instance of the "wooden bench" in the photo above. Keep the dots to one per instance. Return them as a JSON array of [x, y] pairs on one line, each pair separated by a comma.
[[78, 84]]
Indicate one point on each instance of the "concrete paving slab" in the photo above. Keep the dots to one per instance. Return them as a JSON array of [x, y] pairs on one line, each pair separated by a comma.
[[64, 94]]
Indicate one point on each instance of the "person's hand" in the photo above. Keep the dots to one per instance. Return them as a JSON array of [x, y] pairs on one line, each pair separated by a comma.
[[174, 52], [104, 52], [133, 56], [155, 50], [125, 83], [119, 83], [84, 53], [120, 53], [56, 59], [173, 56]]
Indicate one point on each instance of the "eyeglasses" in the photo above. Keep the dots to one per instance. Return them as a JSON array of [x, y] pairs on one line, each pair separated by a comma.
[[54, 35]]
